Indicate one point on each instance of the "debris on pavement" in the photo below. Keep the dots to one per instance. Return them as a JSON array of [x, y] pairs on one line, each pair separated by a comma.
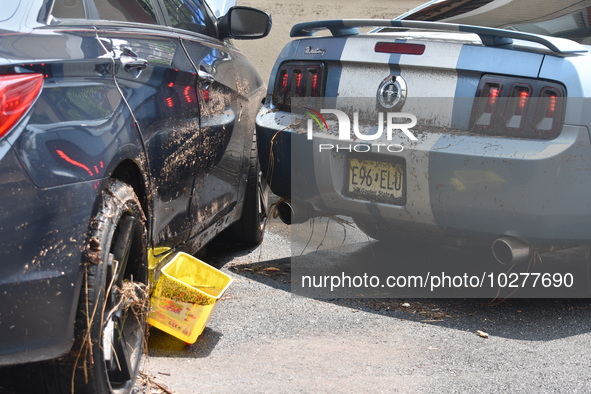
[[147, 384]]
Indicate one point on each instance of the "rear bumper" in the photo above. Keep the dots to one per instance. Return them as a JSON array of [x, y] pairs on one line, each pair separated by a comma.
[[275, 146], [481, 188], [42, 234], [37, 319], [463, 186]]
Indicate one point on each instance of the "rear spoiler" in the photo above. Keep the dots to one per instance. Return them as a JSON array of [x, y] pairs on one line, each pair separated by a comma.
[[489, 36]]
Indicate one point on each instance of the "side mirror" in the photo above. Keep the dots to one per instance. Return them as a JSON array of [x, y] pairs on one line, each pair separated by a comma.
[[244, 23]]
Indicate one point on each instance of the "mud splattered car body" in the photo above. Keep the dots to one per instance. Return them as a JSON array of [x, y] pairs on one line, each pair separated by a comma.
[[150, 94], [500, 93]]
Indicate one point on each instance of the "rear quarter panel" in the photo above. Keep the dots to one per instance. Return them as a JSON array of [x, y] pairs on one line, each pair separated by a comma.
[[52, 166]]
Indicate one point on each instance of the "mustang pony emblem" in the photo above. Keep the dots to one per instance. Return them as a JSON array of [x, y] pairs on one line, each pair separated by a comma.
[[392, 92]]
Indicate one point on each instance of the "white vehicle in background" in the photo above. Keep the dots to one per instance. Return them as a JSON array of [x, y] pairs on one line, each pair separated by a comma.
[[220, 8], [500, 91]]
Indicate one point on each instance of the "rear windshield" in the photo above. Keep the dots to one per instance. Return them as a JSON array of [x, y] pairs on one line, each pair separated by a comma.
[[558, 18]]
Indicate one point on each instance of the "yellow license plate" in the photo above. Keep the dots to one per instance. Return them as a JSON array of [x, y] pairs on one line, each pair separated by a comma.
[[376, 181]]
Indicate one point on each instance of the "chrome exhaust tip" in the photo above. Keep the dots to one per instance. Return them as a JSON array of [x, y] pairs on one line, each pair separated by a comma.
[[290, 215], [511, 251]]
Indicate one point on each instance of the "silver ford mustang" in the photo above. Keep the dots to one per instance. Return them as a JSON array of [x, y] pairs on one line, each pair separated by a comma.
[[462, 121]]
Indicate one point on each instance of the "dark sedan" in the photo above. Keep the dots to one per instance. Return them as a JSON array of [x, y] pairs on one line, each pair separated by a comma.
[[127, 129]]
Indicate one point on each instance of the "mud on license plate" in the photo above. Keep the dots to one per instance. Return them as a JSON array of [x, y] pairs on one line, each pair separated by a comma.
[[376, 181]]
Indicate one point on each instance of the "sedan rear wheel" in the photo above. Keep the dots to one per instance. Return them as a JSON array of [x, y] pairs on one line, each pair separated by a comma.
[[110, 323], [115, 298]]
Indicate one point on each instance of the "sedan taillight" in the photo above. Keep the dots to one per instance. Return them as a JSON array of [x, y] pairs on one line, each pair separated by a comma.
[[298, 79], [17, 94], [518, 107]]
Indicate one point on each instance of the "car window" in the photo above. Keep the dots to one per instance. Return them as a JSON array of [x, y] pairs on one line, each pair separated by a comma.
[[141, 11], [68, 9], [190, 15]]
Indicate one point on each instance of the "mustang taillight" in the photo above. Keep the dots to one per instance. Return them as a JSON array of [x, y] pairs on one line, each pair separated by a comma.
[[493, 97], [546, 119], [519, 107], [487, 105], [298, 79], [18, 92]]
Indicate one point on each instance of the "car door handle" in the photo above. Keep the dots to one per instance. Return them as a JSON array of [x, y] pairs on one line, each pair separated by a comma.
[[205, 76], [133, 63]]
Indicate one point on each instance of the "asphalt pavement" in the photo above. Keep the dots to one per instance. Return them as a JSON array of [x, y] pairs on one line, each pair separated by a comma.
[[263, 338]]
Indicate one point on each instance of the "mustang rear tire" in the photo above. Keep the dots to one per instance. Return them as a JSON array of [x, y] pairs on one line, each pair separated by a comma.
[[249, 230]]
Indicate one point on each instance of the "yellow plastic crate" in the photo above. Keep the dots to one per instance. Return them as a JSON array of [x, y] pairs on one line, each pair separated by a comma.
[[185, 295]]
